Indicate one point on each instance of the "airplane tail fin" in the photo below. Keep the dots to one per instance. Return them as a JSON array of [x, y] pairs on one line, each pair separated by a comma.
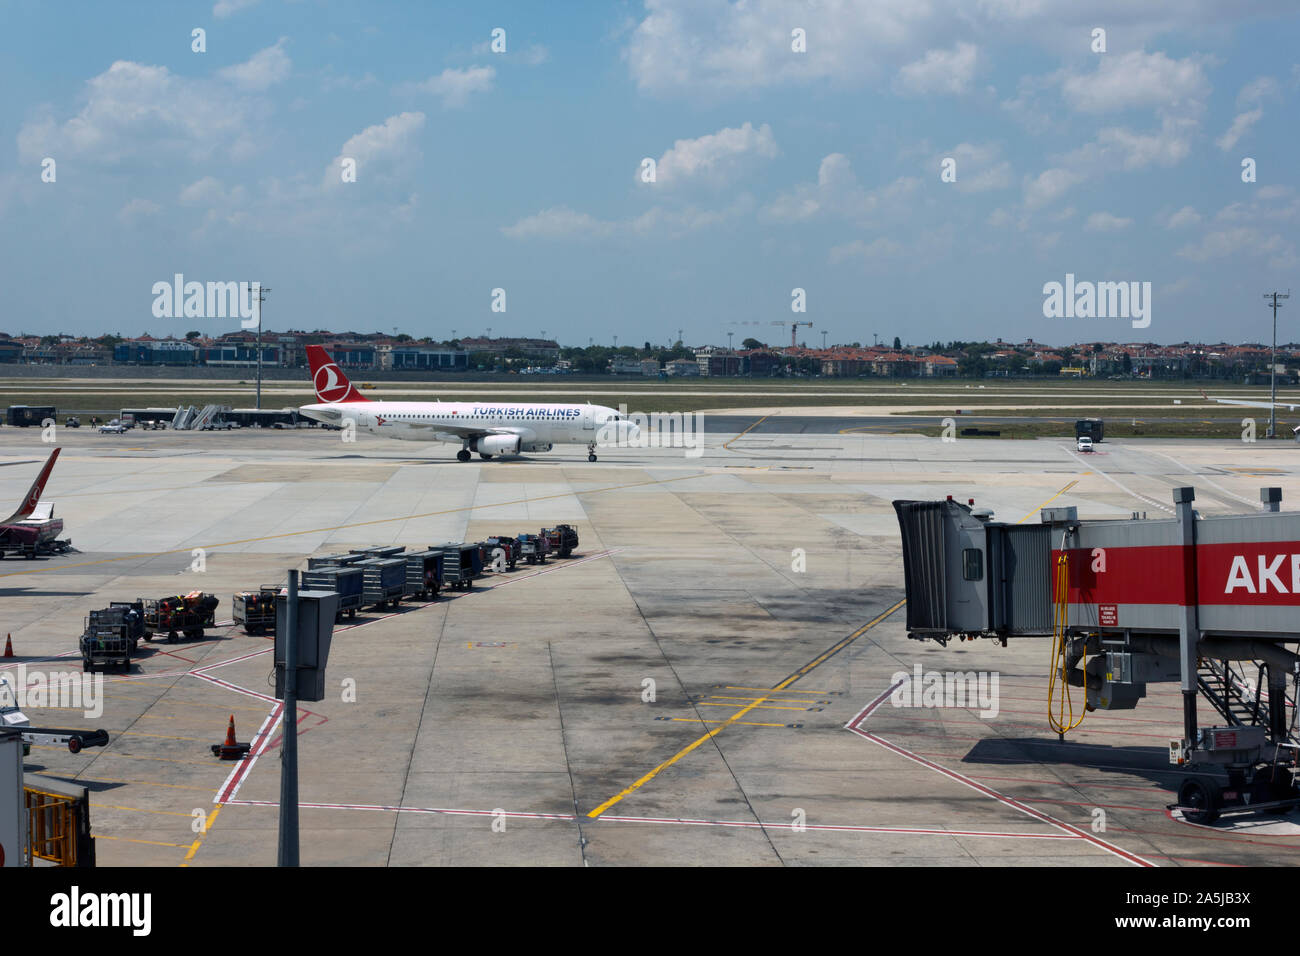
[[328, 380], [34, 492]]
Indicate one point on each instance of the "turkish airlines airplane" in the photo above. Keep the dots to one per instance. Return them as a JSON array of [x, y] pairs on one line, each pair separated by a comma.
[[490, 428], [32, 524]]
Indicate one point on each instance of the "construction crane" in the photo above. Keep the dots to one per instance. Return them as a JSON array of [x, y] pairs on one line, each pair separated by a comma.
[[794, 330]]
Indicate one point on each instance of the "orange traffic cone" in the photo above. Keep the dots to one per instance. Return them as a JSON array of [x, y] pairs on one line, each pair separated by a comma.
[[231, 749], [9, 645]]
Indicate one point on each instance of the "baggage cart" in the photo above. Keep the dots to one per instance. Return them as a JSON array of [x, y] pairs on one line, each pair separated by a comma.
[[461, 564], [423, 574], [379, 551], [105, 645], [334, 560], [383, 580], [346, 582], [256, 609], [181, 614], [563, 539]]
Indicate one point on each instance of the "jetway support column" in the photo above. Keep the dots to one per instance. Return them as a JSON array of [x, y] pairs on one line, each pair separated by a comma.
[[1188, 630]]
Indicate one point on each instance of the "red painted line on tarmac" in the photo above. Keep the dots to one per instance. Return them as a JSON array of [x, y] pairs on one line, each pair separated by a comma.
[[925, 831], [261, 740], [187, 660], [568, 817], [854, 727], [671, 821], [1005, 723]]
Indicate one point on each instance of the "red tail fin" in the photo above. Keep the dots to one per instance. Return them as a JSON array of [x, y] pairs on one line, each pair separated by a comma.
[[328, 379], [34, 492]]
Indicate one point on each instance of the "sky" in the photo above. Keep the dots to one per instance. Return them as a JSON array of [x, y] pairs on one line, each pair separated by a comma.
[[795, 146]]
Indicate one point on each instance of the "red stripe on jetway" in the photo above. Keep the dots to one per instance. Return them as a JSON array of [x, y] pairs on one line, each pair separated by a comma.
[[1157, 574]]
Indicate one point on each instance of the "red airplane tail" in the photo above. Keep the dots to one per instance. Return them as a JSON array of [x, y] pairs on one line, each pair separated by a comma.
[[331, 385], [34, 492]]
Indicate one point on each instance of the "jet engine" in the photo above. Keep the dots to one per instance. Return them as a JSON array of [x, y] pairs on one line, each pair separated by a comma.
[[497, 445]]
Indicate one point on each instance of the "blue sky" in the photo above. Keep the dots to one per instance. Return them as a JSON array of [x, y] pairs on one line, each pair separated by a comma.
[[775, 169]]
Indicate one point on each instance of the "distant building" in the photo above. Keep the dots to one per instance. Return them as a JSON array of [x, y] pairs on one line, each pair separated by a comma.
[[428, 358], [150, 351], [682, 368], [713, 362]]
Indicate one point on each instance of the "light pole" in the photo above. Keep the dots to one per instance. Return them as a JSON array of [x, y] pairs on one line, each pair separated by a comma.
[[729, 335], [823, 340], [261, 297], [1272, 366]]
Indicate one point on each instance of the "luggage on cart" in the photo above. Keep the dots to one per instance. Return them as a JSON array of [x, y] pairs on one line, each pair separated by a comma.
[[423, 574], [563, 539], [255, 610], [186, 614], [507, 545], [534, 548]]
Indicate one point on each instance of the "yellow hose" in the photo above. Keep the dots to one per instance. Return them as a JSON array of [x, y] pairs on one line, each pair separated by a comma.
[[1063, 719]]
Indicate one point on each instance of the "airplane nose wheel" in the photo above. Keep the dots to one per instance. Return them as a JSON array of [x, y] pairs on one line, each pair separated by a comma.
[[462, 455], [591, 452]]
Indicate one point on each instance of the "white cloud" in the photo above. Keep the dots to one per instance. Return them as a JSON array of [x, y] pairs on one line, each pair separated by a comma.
[[1241, 123], [386, 146], [562, 222], [860, 251], [454, 86], [138, 209], [836, 192], [1168, 146], [1256, 91], [136, 111], [558, 222], [713, 157], [1134, 80], [979, 167], [1106, 222], [1240, 239], [1049, 185], [228, 8], [1187, 216], [260, 71], [939, 71]]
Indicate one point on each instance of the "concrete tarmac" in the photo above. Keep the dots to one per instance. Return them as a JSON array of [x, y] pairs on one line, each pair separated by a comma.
[[705, 683]]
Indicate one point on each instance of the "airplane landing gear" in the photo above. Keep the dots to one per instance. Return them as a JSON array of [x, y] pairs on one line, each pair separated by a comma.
[[462, 455], [591, 451]]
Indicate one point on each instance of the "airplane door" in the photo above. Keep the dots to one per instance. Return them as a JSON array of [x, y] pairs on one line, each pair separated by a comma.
[[588, 421]]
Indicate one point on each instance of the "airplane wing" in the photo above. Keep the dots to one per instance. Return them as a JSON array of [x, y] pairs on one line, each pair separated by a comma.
[[457, 432], [1289, 406]]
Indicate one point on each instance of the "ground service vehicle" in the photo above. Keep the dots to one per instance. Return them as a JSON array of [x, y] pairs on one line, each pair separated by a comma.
[[255, 610], [186, 614], [563, 539]]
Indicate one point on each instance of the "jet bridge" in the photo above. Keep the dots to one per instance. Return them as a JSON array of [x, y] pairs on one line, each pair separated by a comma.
[[1210, 602]]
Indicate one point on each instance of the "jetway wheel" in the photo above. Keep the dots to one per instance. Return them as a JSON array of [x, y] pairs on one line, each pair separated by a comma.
[[1202, 800]]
